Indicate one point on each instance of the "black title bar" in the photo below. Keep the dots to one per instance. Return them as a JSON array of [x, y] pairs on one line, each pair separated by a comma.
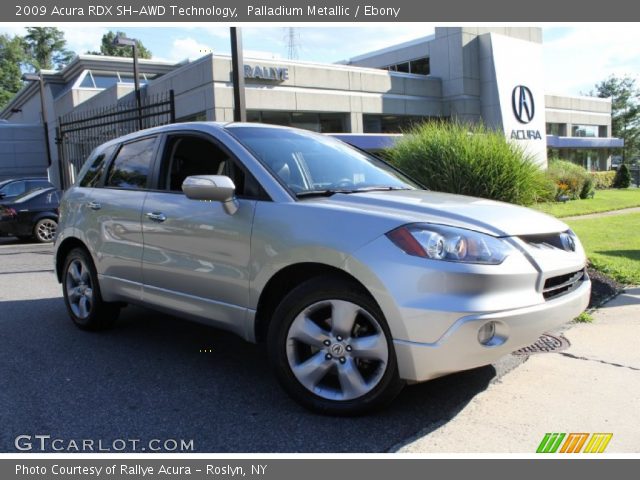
[[232, 11]]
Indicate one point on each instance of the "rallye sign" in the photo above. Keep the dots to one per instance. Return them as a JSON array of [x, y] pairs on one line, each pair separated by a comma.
[[278, 74]]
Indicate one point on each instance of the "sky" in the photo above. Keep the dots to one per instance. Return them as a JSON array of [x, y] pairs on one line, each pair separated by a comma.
[[576, 57]]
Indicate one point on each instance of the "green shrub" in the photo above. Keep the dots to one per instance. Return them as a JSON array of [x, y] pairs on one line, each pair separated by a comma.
[[623, 177], [584, 317], [603, 180], [470, 160], [570, 178], [588, 188]]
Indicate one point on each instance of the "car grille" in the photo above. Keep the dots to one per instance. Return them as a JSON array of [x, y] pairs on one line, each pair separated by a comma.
[[544, 241], [563, 284]]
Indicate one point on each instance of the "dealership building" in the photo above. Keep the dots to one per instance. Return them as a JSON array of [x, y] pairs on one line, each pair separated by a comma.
[[490, 75]]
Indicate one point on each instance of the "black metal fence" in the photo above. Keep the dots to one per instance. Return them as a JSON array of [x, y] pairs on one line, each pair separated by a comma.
[[79, 133], [635, 175]]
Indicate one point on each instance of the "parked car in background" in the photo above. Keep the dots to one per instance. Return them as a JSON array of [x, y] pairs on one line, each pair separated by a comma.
[[357, 279], [33, 214], [17, 186], [616, 161]]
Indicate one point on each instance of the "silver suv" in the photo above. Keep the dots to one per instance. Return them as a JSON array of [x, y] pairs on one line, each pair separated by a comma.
[[358, 280]]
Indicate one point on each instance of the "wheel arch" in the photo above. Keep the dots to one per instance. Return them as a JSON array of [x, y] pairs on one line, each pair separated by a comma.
[[287, 278], [63, 250]]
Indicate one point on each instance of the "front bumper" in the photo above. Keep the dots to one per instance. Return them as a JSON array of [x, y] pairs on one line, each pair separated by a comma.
[[435, 309], [459, 348]]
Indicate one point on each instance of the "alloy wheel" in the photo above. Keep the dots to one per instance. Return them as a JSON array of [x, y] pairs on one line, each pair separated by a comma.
[[79, 288], [337, 350], [46, 230]]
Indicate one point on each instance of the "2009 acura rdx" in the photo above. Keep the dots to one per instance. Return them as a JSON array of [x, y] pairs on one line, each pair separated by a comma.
[[358, 280]]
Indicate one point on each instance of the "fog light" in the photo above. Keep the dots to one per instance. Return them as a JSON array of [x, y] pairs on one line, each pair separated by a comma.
[[487, 333]]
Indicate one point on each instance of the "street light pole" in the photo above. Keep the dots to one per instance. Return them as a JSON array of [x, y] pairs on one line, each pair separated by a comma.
[[120, 41], [237, 68]]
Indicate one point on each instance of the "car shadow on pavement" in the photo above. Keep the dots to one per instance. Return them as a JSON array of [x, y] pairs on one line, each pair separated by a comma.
[[18, 241], [628, 296], [157, 377]]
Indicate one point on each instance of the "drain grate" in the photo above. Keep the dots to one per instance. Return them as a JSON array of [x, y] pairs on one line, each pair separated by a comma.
[[545, 344]]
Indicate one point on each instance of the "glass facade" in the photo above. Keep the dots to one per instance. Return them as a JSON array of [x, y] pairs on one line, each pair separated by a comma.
[[584, 130], [587, 131], [557, 129], [593, 160], [390, 123], [314, 121], [419, 66], [108, 79]]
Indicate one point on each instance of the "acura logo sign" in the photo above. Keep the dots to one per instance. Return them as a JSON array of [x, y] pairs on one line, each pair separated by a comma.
[[523, 105]]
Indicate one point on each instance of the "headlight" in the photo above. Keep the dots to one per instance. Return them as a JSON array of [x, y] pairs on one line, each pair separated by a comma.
[[452, 244]]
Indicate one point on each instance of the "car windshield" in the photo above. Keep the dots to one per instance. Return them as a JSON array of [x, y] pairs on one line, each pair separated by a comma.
[[313, 164]]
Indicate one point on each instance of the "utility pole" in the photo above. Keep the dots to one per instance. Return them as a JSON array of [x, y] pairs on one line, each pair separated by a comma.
[[237, 67]]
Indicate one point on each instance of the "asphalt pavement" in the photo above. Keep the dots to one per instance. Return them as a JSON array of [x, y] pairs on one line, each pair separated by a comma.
[[149, 378]]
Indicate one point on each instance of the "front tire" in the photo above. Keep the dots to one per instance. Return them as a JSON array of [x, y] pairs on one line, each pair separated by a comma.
[[82, 293], [331, 348]]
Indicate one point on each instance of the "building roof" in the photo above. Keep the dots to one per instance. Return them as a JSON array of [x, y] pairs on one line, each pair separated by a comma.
[[77, 66], [391, 48]]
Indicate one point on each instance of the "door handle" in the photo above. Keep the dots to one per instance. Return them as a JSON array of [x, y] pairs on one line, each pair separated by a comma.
[[94, 205], [156, 217]]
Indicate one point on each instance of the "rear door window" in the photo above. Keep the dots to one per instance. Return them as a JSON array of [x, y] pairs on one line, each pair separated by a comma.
[[132, 165], [91, 175]]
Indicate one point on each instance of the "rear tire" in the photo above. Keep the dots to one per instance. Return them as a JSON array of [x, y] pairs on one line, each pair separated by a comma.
[[45, 230], [82, 294], [331, 349]]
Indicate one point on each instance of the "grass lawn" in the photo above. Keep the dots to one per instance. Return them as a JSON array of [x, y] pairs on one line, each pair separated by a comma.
[[612, 245], [604, 201]]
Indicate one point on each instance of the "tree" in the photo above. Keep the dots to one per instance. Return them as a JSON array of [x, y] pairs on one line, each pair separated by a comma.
[[625, 111], [623, 177], [12, 56], [47, 48], [108, 48]]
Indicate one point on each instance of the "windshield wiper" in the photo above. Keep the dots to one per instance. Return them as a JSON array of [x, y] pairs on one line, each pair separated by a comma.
[[318, 193], [377, 189], [330, 191]]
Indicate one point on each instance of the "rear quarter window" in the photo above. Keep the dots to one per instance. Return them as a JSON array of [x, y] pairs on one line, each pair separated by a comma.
[[51, 198]]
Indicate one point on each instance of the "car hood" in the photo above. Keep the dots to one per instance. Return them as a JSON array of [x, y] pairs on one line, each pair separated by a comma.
[[489, 216]]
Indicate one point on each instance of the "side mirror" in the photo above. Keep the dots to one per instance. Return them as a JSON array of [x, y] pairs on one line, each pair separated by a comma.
[[2, 195], [215, 188]]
